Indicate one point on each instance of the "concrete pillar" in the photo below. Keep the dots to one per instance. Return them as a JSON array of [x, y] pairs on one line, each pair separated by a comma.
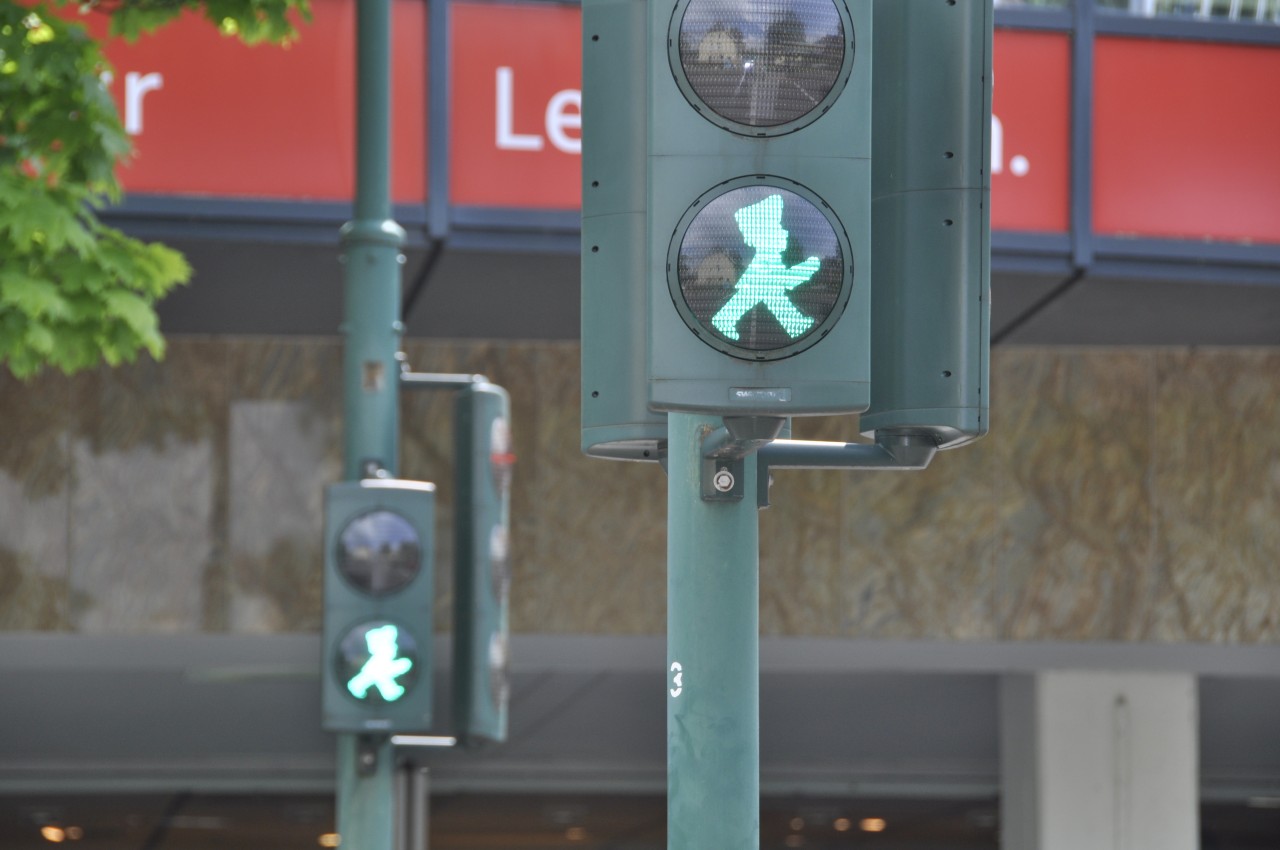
[[1105, 761]]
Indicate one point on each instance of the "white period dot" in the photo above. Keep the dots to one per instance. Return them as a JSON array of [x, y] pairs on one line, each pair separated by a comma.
[[1019, 166]]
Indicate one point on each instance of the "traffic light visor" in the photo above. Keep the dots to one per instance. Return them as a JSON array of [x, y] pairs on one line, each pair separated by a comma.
[[761, 271], [762, 67]]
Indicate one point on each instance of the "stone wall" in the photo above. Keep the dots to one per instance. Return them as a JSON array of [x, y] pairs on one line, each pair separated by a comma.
[[1123, 494]]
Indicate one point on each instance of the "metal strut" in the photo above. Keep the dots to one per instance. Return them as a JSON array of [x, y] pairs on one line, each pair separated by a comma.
[[725, 449]]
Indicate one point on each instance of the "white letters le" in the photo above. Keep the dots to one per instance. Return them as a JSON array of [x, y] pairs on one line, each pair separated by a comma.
[[563, 112]]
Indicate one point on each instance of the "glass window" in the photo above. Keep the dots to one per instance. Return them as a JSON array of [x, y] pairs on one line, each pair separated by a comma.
[[1250, 11], [1260, 11], [1025, 4]]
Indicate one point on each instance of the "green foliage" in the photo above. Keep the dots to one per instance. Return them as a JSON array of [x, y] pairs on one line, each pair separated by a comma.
[[73, 291], [253, 21]]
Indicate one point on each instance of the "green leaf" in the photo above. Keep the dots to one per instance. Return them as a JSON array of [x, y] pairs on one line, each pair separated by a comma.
[[39, 338], [37, 298], [74, 292], [135, 311]]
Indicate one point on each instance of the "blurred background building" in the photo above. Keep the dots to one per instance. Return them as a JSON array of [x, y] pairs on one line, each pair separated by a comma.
[[1116, 533]]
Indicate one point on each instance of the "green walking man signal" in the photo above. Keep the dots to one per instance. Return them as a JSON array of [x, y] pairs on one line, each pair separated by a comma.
[[383, 667], [766, 280]]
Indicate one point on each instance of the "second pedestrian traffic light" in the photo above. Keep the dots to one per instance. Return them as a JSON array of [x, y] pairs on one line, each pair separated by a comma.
[[378, 590], [758, 205], [483, 586]]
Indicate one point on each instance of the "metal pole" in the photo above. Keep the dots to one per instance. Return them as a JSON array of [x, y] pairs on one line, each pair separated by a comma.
[[371, 252], [413, 804], [420, 810], [371, 245], [366, 793], [713, 653]]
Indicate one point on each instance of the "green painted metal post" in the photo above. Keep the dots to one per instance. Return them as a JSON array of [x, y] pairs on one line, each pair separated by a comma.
[[713, 654], [371, 252], [366, 801]]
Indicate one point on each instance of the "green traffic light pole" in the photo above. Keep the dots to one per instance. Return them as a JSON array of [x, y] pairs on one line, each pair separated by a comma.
[[371, 245], [717, 480], [713, 648]]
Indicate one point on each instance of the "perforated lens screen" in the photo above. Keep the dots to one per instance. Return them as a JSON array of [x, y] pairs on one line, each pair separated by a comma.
[[379, 553], [762, 63], [761, 268], [377, 661]]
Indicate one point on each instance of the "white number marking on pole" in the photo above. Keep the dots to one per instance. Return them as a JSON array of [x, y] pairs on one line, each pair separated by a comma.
[[677, 679]]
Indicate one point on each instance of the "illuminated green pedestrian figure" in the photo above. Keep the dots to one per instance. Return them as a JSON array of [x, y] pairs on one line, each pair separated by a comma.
[[766, 280], [382, 668]]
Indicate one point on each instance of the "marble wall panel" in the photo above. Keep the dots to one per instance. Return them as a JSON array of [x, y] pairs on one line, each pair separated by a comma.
[[922, 545], [281, 460], [1125, 494], [141, 538], [1072, 434], [147, 506], [873, 553], [284, 446], [34, 502], [801, 541], [599, 535], [1217, 495]]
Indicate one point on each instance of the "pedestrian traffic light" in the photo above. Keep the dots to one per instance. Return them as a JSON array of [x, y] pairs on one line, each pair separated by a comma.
[[758, 205], [482, 586], [931, 212], [378, 589]]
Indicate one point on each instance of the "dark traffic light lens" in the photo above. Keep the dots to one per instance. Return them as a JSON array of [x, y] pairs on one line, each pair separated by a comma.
[[760, 270], [377, 662], [762, 63], [379, 553]]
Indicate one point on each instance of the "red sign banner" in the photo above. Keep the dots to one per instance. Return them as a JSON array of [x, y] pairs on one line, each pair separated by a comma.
[[212, 116], [516, 137], [1183, 134], [1185, 140], [1031, 132]]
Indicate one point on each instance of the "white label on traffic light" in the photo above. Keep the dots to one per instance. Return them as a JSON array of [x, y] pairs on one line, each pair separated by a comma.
[[677, 678], [761, 394]]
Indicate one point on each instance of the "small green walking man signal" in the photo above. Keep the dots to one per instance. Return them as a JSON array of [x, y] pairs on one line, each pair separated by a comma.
[[766, 280], [382, 668]]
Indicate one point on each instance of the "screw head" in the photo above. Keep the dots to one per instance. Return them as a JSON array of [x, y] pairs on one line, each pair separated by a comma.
[[723, 481]]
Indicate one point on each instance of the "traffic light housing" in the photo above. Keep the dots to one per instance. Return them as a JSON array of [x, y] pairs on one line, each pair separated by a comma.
[[758, 226], [482, 586], [899, 152], [931, 213], [616, 420], [378, 590]]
